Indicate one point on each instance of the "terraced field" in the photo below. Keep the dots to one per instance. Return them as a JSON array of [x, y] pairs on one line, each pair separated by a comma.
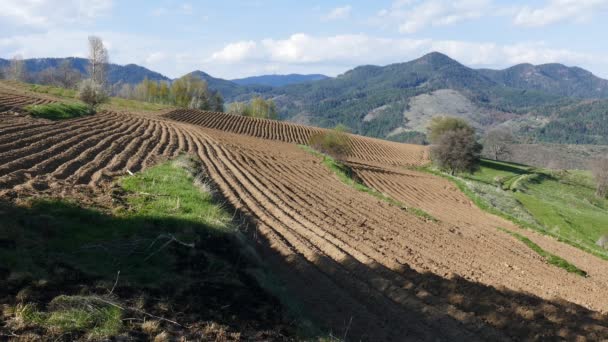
[[362, 148], [14, 98], [368, 270]]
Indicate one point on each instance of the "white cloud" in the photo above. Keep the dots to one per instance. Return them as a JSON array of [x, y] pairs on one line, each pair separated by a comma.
[[335, 54], [235, 52], [298, 53], [339, 13], [414, 15], [559, 10], [48, 13]]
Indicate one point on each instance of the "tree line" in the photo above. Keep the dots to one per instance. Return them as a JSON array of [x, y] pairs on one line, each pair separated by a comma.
[[187, 91]]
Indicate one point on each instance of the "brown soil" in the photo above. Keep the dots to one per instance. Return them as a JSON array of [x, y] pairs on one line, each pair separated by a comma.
[[365, 269]]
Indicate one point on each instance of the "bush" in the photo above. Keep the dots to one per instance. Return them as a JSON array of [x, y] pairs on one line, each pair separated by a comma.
[[92, 93], [334, 143], [442, 124], [457, 151]]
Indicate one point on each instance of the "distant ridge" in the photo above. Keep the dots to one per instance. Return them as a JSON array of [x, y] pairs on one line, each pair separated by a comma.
[[279, 80], [543, 103]]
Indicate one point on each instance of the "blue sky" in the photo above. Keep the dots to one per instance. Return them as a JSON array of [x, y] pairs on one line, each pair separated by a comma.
[[237, 38]]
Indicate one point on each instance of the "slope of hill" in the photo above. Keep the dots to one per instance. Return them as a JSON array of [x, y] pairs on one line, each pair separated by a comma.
[[397, 101], [130, 73], [552, 78], [231, 91], [279, 80], [364, 267]]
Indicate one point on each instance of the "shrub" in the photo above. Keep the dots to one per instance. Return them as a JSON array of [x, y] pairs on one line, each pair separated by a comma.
[[92, 93], [334, 143], [457, 151], [442, 124]]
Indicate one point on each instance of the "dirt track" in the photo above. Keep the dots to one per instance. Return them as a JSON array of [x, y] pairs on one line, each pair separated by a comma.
[[366, 269]]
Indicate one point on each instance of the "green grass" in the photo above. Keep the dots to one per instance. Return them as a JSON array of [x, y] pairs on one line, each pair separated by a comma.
[[345, 174], [159, 202], [561, 204], [70, 314], [551, 258], [58, 111], [168, 200], [55, 91], [134, 105]]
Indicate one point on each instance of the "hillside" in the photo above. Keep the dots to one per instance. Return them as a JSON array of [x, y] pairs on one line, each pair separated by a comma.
[[130, 73], [279, 80], [376, 248], [538, 103], [553, 78]]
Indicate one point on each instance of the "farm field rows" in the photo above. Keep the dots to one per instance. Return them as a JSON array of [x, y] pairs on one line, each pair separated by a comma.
[[365, 268]]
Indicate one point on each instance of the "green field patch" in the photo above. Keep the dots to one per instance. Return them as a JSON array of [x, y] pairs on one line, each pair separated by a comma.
[[561, 204], [58, 111]]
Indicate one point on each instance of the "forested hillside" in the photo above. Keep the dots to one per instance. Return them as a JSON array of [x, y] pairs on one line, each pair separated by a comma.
[[545, 103]]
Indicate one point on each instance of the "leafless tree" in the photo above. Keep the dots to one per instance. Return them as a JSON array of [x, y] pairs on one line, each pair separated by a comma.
[[16, 70], [599, 168], [98, 60], [67, 76], [497, 142]]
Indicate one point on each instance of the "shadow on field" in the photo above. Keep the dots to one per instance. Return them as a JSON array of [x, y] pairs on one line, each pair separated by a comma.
[[502, 166], [55, 248], [78, 251], [372, 303]]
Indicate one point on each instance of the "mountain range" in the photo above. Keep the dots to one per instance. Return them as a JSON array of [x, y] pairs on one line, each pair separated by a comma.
[[547, 103]]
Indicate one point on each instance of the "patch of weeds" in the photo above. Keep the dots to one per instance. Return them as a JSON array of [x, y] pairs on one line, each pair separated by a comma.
[[58, 111], [347, 176], [551, 258], [84, 313]]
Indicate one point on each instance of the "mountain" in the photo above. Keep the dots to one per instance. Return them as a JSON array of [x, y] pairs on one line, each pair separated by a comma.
[[130, 73], [553, 78], [279, 80], [544, 103], [231, 91], [397, 101]]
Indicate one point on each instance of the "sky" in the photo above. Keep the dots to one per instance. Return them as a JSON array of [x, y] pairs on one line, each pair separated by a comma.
[[239, 38]]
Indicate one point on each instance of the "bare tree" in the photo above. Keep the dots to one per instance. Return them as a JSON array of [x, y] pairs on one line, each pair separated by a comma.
[[67, 76], [16, 70], [98, 60], [599, 168], [497, 142], [93, 91]]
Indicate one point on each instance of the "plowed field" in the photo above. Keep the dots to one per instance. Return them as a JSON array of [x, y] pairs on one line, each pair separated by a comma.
[[364, 268]]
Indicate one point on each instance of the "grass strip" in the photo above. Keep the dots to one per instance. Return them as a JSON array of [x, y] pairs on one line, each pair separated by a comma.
[[345, 174], [483, 205], [551, 258], [58, 111]]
